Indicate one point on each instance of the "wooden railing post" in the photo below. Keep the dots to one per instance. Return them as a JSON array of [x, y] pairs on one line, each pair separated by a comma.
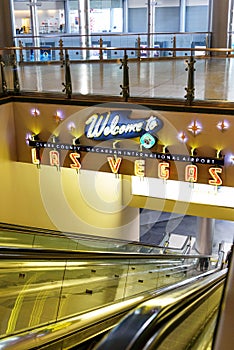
[[139, 47], [101, 51], [15, 75], [21, 55], [125, 85], [68, 84], [3, 77], [190, 85], [61, 54], [174, 46]]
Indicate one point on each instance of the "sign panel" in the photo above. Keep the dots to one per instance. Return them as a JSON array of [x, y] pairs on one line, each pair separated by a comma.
[[143, 143]]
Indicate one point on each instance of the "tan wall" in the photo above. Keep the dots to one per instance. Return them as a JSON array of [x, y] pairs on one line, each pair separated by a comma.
[[88, 202], [92, 202]]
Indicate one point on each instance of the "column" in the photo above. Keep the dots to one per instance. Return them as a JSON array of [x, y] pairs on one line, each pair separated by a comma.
[[67, 28], [151, 24], [182, 15], [204, 237], [220, 23], [34, 28], [6, 23], [83, 6], [125, 16], [230, 29]]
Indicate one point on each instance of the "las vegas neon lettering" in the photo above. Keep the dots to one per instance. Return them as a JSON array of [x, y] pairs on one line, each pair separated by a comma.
[[54, 158], [139, 167], [75, 158], [163, 170], [114, 164], [216, 180], [35, 156], [190, 174]]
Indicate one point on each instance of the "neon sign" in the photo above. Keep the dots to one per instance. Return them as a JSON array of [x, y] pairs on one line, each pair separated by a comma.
[[147, 140], [191, 173], [75, 159], [127, 153], [114, 164], [54, 158], [117, 124], [114, 158]]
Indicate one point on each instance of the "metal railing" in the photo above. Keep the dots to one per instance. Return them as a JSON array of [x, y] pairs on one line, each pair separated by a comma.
[[16, 77], [101, 42], [18, 236]]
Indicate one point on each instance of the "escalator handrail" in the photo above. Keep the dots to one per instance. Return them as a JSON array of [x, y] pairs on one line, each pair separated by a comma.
[[71, 235], [57, 254], [79, 237], [156, 313]]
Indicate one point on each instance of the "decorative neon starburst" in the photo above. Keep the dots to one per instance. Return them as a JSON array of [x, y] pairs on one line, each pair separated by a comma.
[[195, 128], [28, 137], [35, 112], [231, 159], [71, 127], [223, 125], [182, 137], [58, 117]]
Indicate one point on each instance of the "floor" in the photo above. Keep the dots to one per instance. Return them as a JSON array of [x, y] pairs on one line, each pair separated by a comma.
[[213, 78]]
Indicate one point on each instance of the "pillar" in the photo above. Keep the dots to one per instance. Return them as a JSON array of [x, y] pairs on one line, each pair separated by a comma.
[[220, 24], [67, 28], [204, 237], [125, 16], [182, 15], [34, 27], [6, 24], [151, 24], [83, 6]]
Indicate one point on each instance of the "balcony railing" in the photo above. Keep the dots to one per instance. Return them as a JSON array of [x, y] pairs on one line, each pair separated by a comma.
[[106, 46], [176, 72]]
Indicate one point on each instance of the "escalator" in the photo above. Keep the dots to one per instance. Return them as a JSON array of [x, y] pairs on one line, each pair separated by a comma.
[[181, 318], [54, 299]]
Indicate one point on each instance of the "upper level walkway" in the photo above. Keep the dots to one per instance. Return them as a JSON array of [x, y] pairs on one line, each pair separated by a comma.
[[213, 78], [199, 78]]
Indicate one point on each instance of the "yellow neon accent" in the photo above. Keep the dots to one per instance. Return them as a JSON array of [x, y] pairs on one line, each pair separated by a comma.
[[163, 170], [35, 160], [114, 164], [139, 167]]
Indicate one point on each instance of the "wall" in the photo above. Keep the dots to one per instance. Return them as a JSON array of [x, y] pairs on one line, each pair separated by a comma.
[[87, 202], [167, 16], [91, 201]]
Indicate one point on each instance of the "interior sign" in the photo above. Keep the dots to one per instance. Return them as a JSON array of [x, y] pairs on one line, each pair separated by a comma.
[[114, 158], [126, 153], [118, 124]]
